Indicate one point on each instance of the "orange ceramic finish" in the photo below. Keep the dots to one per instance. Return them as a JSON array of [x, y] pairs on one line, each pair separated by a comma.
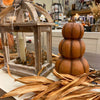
[[7, 2], [72, 48], [73, 67], [73, 31]]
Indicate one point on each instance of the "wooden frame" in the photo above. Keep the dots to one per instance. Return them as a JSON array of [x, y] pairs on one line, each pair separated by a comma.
[[36, 27]]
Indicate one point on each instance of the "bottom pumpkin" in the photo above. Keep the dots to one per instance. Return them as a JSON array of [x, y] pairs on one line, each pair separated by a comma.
[[73, 67]]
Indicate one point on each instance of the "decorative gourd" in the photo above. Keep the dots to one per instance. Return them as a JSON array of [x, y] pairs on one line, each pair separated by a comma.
[[73, 67], [10, 41], [73, 31], [72, 48], [7, 2], [10, 2]]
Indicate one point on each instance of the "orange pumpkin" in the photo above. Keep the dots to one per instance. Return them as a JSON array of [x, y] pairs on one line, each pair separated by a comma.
[[10, 2], [72, 48], [7, 2], [73, 67], [73, 31], [10, 41]]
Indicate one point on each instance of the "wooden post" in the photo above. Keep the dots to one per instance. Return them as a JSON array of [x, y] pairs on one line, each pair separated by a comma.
[[4, 37], [37, 41], [49, 46], [17, 40]]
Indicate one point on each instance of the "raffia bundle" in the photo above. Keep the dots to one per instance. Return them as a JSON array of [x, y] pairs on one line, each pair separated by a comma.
[[67, 88]]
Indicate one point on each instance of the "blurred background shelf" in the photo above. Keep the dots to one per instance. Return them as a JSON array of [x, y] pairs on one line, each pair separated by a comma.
[[81, 12]]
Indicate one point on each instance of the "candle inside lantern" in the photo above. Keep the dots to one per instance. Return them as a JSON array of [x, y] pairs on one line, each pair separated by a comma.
[[22, 47]]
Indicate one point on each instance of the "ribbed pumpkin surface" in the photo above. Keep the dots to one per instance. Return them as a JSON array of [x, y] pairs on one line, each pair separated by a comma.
[[72, 48], [73, 31], [73, 67]]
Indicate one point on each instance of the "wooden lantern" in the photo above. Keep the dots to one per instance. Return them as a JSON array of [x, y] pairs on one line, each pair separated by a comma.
[[34, 26]]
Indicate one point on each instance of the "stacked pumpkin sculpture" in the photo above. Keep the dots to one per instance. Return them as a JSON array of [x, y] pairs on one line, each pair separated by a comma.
[[72, 49]]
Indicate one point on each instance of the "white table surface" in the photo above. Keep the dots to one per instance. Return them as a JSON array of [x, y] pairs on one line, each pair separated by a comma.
[[8, 84]]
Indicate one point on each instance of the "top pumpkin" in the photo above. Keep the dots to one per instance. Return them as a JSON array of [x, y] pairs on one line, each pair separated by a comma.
[[73, 31]]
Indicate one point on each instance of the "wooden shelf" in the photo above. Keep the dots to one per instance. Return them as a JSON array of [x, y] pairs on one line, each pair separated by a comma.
[[81, 12]]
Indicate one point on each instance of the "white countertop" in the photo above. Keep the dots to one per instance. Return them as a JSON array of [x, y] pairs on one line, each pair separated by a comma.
[[8, 84], [56, 30]]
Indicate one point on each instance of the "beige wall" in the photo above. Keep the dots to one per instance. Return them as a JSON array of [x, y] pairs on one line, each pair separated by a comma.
[[49, 3], [91, 39]]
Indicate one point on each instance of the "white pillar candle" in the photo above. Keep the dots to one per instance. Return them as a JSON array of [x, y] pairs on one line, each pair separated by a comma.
[[22, 47]]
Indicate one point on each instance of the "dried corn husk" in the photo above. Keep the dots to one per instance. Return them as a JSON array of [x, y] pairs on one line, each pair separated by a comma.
[[75, 82], [70, 88], [63, 76], [41, 71], [25, 89], [1, 66], [64, 82], [32, 79], [54, 58], [93, 98], [55, 94], [50, 88], [69, 78], [73, 96], [53, 55]]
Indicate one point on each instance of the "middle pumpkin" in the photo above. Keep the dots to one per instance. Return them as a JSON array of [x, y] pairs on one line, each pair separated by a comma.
[[72, 49]]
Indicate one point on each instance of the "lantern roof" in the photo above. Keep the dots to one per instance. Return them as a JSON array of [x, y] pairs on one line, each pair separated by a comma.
[[34, 11]]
